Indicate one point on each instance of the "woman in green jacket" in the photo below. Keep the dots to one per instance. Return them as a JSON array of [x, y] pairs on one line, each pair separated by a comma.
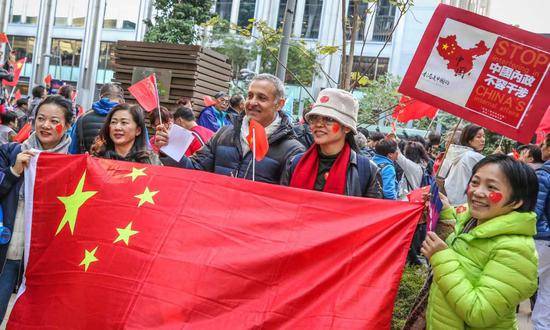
[[489, 264]]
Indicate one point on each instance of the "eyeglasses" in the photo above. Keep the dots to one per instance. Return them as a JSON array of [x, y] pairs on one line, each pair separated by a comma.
[[322, 120]]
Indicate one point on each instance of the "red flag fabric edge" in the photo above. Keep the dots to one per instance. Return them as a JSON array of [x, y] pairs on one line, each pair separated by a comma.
[[311, 259], [146, 93]]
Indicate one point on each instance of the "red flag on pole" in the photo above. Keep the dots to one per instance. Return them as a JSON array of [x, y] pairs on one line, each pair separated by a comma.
[[411, 109], [4, 39], [210, 260], [145, 92], [208, 101], [48, 79], [18, 68], [257, 131], [17, 95], [544, 127], [23, 133]]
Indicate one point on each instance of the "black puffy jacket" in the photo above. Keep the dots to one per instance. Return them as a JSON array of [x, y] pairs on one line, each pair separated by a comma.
[[87, 129], [223, 154]]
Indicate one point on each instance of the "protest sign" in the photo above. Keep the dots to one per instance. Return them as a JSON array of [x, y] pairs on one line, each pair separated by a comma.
[[482, 70]]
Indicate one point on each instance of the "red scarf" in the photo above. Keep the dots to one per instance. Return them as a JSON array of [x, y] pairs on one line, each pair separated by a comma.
[[305, 173]]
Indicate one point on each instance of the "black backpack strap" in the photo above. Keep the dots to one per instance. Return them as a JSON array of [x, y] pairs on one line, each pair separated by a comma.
[[80, 132], [363, 169]]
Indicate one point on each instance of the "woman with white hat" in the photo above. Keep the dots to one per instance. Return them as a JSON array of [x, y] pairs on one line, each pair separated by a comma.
[[332, 164]]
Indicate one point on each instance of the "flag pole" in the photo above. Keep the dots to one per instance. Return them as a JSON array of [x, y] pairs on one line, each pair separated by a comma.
[[158, 98], [253, 154], [500, 142], [431, 124], [11, 94], [449, 140]]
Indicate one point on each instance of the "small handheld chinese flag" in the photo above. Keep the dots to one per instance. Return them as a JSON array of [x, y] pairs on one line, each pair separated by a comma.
[[23, 133], [18, 67], [4, 39], [257, 140], [208, 101], [17, 95], [48, 79], [146, 93]]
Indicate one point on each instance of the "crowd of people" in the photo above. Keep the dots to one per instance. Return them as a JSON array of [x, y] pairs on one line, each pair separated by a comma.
[[499, 204]]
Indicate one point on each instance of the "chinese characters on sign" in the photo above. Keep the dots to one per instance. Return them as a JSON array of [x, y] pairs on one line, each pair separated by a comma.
[[508, 81]]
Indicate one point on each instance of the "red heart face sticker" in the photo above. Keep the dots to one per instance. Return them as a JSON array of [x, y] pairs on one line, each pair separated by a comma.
[[335, 127], [324, 99], [495, 197], [59, 129]]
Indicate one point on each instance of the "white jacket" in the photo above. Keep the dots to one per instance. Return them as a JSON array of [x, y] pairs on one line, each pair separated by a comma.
[[412, 175], [458, 164]]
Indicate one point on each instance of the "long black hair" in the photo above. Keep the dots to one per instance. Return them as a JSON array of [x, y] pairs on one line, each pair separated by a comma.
[[520, 176], [416, 152], [104, 147]]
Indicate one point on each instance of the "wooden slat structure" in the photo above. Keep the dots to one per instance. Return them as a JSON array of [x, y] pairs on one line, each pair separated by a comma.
[[196, 71]]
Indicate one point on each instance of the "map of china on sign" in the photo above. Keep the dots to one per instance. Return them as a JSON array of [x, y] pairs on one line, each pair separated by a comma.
[[460, 60]]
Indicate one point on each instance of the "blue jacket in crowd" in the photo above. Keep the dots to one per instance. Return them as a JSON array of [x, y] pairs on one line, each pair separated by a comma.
[[543, 203], [213, 119], [389, 176], [10, 185]]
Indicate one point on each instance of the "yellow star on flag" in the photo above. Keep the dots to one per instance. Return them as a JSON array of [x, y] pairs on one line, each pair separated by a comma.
[[19, 65], [136, 172], [445, 46], [124, 234], [89, 257], [73, 203], [146, 197]]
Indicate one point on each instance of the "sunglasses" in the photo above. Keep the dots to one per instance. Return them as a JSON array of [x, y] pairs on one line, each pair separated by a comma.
[[316, 119]]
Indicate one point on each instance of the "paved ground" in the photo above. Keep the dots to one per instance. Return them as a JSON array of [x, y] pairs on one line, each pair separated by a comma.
[[524, 315]]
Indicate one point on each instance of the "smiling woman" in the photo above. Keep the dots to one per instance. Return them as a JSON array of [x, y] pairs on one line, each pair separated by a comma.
[[123, 136], [489, 264], [53, 118]]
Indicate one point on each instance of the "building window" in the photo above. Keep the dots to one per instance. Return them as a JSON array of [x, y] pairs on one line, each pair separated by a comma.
[[70, 13], [312, 19], [375, 67], [65, 59], [121, 14], [246, 12], [24, 11], [362, 12], [105, 67], [383, 22], [23, 47], [281, 16], [223, 9]]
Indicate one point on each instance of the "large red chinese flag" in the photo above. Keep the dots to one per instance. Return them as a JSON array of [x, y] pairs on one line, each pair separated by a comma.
[[411, 109], [126, 245], [145, 92], [18, 68]]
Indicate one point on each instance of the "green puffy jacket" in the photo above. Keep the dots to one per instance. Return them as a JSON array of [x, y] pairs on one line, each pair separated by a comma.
[[484, 274]]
